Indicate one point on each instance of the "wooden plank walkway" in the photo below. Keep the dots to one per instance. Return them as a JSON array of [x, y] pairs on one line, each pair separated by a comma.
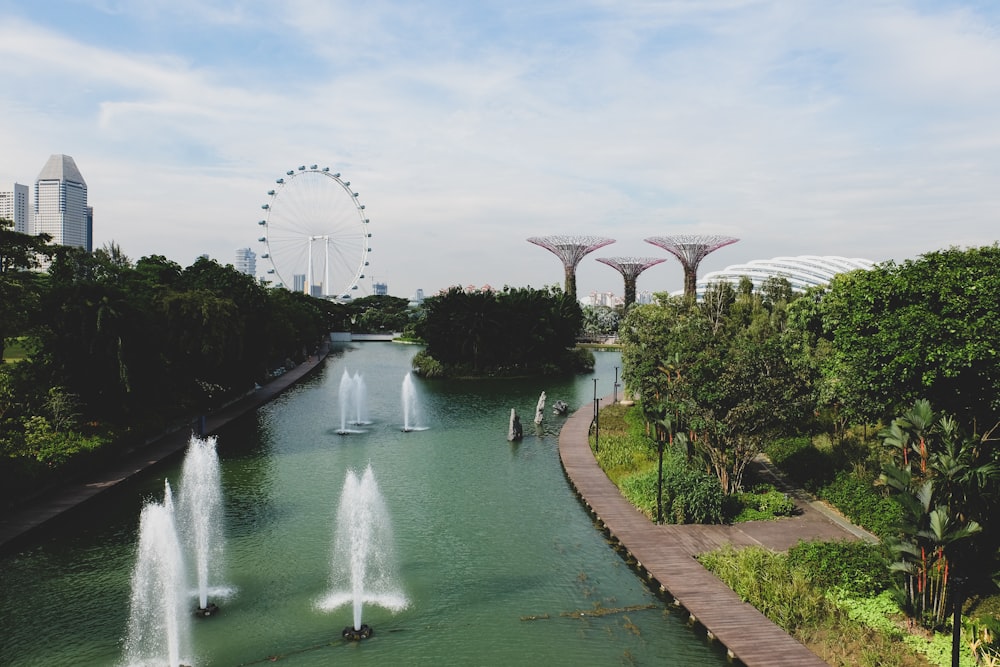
[[665, 555]]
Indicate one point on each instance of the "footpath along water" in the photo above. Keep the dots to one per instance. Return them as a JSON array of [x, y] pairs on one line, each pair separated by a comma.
[[498, 561]]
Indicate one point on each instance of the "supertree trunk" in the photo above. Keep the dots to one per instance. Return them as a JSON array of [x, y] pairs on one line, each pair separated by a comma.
[[630, 268], [690, 249]]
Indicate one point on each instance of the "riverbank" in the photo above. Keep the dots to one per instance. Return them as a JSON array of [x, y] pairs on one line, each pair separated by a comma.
[[24, 520]]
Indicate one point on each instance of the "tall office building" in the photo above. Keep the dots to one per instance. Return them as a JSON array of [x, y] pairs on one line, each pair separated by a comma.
[[14, 206], [61, 209], [246, 261]]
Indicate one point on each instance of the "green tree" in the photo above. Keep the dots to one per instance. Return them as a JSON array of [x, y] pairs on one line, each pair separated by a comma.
[[20, 256], [379, 313], [296, 324], [600, 321], [717, 369], [91, 330], [926, 328], [515, 330]]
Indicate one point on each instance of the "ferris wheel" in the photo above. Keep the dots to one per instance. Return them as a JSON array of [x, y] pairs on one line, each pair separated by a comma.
[[315, 234]]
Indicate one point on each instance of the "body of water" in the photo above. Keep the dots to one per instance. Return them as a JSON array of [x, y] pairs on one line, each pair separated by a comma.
[[498, 560]]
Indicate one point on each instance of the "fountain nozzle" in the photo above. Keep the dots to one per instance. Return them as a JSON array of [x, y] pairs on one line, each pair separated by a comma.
[[357, 634]]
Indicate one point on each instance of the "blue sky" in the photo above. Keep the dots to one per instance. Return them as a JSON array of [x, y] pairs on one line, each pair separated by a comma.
[[866, 128]]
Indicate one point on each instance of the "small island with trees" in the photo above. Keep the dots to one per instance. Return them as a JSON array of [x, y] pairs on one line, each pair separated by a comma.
[[505, 333]]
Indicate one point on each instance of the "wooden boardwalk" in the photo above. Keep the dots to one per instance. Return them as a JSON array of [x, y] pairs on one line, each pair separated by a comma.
[[665, 555]]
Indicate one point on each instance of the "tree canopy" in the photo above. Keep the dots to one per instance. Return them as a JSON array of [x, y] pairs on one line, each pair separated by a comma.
[[512, 331], [114, 346], [716, 372], [927, 328], [20, 256]]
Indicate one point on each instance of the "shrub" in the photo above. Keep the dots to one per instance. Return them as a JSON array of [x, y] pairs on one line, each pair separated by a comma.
[[762, 503], [862, 503], [689, 495], [427, 366], [858, 568], [780, 450], [765, 579], [621, 456], [640, 490], [875, 612]]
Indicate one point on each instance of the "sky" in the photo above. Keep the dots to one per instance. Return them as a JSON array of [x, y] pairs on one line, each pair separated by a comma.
[[861, 128]]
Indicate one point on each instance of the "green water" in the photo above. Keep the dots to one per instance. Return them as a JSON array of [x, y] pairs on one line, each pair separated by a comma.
[[500, 562]]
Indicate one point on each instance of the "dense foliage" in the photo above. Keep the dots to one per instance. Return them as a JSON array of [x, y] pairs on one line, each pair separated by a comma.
[[927, 328], [600, 322], [718, 371], [687, 491], [19, 255], [509, 332], [379, 313], [948, 487], [829, 595], [835, 385], [115, 350]]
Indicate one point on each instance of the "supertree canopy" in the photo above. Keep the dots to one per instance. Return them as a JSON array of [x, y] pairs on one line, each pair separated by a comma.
[[630, 268], [690, 249], [571, 249]]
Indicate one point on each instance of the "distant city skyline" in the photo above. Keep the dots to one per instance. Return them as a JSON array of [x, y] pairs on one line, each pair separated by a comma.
[[856, 129]]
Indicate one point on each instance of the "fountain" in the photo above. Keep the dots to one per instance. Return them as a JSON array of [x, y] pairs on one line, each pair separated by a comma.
[[200, 517], [159, 624], [411, 407], [360, 400], [362, 567], [352, 398]]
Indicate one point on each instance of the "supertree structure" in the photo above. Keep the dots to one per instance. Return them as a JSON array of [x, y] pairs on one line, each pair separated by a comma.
[[571, 249], [630, 268], [690, 249]]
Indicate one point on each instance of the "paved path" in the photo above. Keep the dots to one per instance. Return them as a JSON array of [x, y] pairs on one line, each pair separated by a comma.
[[20, 521], [665, 554]]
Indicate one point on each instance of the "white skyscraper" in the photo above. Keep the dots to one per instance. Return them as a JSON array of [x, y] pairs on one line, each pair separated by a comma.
[[14, 206], [61, 203], [246, 261]]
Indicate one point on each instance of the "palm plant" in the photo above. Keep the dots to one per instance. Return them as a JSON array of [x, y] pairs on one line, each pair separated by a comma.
[[941, 504]]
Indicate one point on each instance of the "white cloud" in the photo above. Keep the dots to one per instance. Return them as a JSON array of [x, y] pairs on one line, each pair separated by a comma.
[[863, 129]]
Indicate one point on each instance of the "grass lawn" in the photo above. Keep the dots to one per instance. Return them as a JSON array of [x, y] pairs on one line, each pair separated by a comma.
[[14, 350]]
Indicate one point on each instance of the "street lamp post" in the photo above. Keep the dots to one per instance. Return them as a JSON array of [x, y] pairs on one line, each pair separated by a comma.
[[597, 422], [659, 477], [616, 386], [958, 591]]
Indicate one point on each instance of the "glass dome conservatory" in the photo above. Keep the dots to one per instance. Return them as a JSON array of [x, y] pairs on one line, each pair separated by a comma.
[[802, 272]]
